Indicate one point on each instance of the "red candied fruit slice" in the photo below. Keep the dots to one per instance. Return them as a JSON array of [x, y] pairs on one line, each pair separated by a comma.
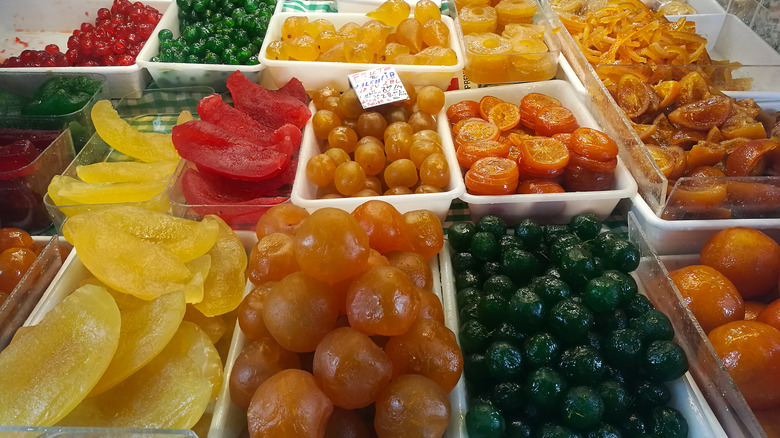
[[17, 155], [222, 152], [270, 108], [41, 139], [229, 199], [214, 110], [294, 88]]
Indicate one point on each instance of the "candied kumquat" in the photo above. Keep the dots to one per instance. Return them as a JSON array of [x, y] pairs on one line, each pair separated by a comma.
[[531, 103], [462, 110], [469, 153], [552, 120], [544, 154], [492, 176], [505, 115]]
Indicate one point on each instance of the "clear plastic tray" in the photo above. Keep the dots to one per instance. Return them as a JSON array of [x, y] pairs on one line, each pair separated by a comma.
[[687, 395], [316, 75], [154, 110], [558, 207], [25, 296], [727, 37], [179, 74], [23, 26], [304, 192], [707, 370]]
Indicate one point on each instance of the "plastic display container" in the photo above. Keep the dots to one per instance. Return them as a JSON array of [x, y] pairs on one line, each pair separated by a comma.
[[25, 296], [716, 385], [155, 110], [558, 207], [304, 192], [24, 27], [179, 74], [727, 38], [514, 66], [687, 396], [316, 75], [688, 236]]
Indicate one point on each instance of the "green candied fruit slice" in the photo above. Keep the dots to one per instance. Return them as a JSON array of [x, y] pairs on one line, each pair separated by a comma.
[[147, 327], [224, 286], [49, 368], [170, 392], [125, 262]]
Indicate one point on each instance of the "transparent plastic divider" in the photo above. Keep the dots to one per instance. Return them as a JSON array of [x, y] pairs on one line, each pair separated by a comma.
[[89, 432], [28, 292], [706, 369]]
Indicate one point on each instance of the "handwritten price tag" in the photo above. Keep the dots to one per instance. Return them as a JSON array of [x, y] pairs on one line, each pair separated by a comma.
[[378, 86]]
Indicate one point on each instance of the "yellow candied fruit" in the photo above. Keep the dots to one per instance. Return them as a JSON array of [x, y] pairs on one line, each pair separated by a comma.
[[391, 12], [515, 11], [478, 19]]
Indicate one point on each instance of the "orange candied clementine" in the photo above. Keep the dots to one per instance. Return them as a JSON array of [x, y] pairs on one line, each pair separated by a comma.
[[282, 218], [276, 407], [384, 226], [633, 96], [430, 306], [257, 362], [752, 309], [769, 419], [426, 234], [705, 153], [663, 158], [750, 351], [770, 314], [712, 298], [476, 130], [553, 120], [545, 154], [505, 115], [492, 176], [462, 110], [272, 258], [531, 103], [469, 153], [351, 368], [331, 246], [594, 144], [667, 91], [749, 159], [428, 348], [539, 186], [382, 301], [486, 104], [414, 265], [563, 137], [747, 257], [412, 405], [299, 311], [250, 312], [591, 164]]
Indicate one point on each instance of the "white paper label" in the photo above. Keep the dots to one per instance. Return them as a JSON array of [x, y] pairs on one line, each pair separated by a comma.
[[378, 86]]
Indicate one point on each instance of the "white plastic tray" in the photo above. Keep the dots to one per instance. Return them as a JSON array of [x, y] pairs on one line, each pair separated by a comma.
[[32, 24], [688, 236], [558, 207], [316, 75], [304, 193], [686, 396], [179, 74]]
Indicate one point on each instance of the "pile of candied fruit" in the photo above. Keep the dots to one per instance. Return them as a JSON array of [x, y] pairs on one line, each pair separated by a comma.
[[390, 37], [535, 147], [345, 333], [393, 149], [114, 39]]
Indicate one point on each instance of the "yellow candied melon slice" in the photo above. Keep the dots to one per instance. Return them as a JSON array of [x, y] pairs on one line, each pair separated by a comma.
[[184, 117], [48, 369], [67, 189], [147, 327], [126, 171], [122, 137], [225, 283], [124, 262], [193, 292], [186, 238], [214, 326], [170, 392], [196, 343]]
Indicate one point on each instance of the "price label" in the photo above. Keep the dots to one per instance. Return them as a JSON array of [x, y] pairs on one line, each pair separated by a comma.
[[378, 86]]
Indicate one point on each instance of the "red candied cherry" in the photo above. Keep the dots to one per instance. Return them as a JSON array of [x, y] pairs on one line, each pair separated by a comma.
[[52, 49]]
